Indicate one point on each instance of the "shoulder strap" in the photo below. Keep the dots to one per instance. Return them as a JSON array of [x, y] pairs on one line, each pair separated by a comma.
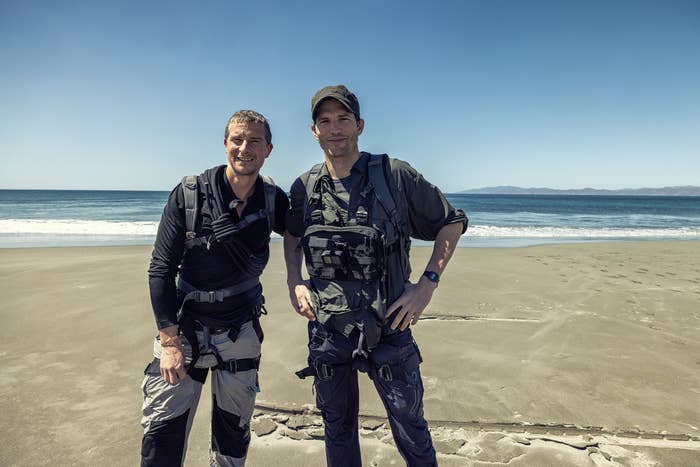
[[378, 179], [310, 185], [312, 179], [270, 195], [189, 191]]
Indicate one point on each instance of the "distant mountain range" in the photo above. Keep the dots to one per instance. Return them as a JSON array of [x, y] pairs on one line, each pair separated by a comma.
[[688, 190]]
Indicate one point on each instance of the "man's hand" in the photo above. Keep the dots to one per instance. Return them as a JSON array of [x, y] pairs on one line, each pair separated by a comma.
[[300, 296], [410, 305], [172, 356]]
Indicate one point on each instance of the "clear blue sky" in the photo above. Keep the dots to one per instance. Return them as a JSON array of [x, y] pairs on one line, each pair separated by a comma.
[[564, 94]]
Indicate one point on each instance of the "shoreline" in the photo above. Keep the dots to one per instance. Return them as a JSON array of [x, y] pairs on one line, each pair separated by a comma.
[[9, 242]]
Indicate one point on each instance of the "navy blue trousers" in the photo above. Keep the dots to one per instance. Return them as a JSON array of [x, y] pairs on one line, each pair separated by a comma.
[[394, 369]]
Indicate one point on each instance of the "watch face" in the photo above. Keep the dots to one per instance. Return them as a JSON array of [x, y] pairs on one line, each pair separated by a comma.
[[432, 276]]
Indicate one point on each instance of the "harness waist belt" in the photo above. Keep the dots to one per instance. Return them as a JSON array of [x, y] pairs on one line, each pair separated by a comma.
[[241, 364], [212, 296]]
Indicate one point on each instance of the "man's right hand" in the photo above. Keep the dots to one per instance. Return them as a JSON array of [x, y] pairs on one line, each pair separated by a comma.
[[300, 296], [172, 356]]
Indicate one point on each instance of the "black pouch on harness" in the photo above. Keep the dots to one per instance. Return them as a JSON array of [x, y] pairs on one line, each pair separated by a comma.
[[350, 253]]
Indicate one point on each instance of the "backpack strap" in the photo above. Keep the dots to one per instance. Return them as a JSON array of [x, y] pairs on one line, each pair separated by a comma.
[[270, 196], [189, 191], [312, 194], [378, 180], [385, 185]]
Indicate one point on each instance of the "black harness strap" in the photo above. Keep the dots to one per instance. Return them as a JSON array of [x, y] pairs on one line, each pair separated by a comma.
[[189, 191], [240, 364], [223, 226], [212, 296], [270, 197]]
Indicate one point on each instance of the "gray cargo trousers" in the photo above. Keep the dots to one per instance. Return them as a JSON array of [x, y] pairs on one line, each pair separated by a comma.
[[168, 410]]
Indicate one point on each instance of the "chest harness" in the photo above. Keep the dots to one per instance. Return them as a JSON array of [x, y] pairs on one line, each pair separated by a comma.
[[224, 232], [347, 258]]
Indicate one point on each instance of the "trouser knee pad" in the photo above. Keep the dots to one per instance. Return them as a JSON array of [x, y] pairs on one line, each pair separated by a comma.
[[164, 443], [227, 435]]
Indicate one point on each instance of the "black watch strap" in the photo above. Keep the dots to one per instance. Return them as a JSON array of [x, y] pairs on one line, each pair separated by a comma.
[[432, 276]]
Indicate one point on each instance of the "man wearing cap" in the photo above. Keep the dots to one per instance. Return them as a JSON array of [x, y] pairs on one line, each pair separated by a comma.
[[351, 218]]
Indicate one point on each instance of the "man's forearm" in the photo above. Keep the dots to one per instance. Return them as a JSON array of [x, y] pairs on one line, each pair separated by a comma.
[[292, 258], [444, 246]]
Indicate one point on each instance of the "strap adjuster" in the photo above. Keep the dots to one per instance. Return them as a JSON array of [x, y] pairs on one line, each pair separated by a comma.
[[325, 372], [232, 365], [316, 216], [384, 373], [204, 296]]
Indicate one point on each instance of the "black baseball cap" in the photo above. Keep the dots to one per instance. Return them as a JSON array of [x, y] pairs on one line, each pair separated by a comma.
[[339, 93]]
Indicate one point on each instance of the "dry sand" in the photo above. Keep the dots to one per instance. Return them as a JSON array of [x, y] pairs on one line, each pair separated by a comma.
[[577, 354]]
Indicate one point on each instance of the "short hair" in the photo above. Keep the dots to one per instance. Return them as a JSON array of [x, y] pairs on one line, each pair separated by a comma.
[[249, 116]]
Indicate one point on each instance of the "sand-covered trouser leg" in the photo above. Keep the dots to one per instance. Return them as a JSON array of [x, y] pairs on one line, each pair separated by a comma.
[[233, 396], [168, 411], [396, 375], [337, 394]]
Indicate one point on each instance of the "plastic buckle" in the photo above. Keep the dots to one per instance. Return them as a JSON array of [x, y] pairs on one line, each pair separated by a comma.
[[384, 373], [212, 297], [232, 366], [362, 215]]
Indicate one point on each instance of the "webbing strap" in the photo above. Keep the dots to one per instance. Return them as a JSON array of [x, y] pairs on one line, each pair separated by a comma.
[[323, 371], [270, 196], [224, 226], [212, 296], [197, 241], [395, 370], [303, 373], [189, 191], [241, 364], [381, 188], [376, 177], [311, 192]]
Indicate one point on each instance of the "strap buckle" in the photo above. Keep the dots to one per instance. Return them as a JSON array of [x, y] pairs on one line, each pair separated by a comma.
[[324, 372], [232, 365], [362, 215], [203, 296]]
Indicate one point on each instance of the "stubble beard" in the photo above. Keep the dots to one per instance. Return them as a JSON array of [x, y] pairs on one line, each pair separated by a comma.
[[243, 171], [346, 150]]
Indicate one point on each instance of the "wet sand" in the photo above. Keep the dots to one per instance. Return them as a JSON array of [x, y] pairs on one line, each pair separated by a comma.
[[575, 354]]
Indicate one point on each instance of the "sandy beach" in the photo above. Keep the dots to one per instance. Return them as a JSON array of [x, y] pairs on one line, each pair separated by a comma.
[[571, 354]]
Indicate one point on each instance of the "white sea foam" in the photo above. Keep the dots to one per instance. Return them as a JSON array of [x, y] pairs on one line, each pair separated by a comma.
[[71, 227], [74, 227], [571, 232]]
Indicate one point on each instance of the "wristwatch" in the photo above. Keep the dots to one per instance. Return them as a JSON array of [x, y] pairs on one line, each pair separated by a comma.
[[432, 276]]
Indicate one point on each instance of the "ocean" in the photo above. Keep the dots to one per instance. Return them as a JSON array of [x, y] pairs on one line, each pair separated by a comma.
[[33, 218]]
